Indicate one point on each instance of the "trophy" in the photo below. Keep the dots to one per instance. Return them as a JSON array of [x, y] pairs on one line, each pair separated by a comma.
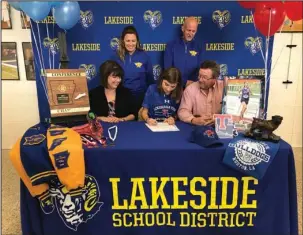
[[67, 93], [263, 129]]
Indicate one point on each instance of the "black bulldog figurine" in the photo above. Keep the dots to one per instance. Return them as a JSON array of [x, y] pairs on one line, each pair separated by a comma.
[[263, 129]]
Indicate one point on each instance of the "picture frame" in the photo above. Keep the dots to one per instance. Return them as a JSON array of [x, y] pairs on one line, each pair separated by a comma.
[[29, 62], [243, 99], [290, 26], [6, 22], [25, 20], [9, 63]]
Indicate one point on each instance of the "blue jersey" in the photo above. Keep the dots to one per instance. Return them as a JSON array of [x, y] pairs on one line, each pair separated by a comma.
[[138, 71], [186, 56], [160, 106], [245, 93]]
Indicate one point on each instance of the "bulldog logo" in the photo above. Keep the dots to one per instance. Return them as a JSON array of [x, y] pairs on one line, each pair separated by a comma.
[[114, 43], [90, 70], [221, 18], [253, 44], [51, 44], [157, 71], [86, 19], [153, 18]]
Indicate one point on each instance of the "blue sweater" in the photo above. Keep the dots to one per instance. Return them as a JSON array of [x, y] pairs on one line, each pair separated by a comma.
[[138, 71], [186, 56]]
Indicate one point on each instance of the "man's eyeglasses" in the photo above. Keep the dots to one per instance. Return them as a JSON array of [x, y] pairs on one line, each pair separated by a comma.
[[205, 78]]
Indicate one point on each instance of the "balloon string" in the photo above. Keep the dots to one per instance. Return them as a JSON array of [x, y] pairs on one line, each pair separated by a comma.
[[42, 80], [53, 11], [259, 42], [49, 57], [43, 64], [266, 66]]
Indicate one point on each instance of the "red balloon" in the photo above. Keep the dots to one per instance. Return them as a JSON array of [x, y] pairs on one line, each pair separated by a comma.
[[247, 5], [294, 10], [269, 16]]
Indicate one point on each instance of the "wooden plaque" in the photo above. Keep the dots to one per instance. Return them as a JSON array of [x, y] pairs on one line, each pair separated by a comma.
[[67, 92]]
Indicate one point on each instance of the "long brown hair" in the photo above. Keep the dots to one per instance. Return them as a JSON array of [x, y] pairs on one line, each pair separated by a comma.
[[172, 75], [121, 48]]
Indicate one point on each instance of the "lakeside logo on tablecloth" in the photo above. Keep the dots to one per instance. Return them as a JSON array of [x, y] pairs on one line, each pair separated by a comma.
[[75, 206], [185, 202]]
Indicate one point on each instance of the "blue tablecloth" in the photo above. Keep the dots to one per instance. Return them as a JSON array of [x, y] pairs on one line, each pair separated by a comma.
[[159, 183]]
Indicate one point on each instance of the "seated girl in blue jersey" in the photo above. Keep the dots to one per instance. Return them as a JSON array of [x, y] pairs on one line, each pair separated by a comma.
[[111, 102], [136, 64], [162, 100]]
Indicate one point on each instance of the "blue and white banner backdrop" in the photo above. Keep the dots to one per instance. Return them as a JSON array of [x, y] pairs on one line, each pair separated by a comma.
[[226, 31]]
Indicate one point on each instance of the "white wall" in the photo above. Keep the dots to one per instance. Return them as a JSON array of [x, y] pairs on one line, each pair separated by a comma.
[[285, 100], [19, 98], [20, 106]]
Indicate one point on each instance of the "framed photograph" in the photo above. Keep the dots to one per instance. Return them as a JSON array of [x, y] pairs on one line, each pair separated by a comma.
[[6, 22], [25, 21], [243, 100], [9, 63], [291, 26], [28, 56]]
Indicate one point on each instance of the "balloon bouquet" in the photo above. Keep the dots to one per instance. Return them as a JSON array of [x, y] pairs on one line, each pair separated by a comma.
[[268, 17], [66, 14]]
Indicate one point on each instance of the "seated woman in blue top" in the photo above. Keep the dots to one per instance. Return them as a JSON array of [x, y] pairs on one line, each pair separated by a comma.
[[111, 102], [162, 100], [136, 64]]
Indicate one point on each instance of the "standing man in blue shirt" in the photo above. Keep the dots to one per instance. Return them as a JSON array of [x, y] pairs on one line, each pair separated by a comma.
[[185, 53]]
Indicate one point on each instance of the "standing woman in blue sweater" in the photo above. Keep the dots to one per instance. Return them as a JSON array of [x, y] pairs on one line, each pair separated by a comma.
[[137, 66]]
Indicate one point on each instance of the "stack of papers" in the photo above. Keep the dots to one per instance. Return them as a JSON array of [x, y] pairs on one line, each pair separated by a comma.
[[162, 127]]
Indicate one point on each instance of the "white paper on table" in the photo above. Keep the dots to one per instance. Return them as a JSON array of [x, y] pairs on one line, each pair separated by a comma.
[[162, 127]]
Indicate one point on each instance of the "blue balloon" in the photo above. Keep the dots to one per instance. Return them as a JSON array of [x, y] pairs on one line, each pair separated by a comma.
[[67, 15], [35, 10], [55, 4], [15, 5]]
